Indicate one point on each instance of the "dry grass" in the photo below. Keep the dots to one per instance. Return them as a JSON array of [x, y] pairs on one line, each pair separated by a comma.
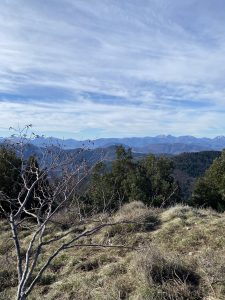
[[169, 276], [179, 255]]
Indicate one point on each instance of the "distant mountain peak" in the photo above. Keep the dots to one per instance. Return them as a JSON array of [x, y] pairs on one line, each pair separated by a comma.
[[219, 137], [162, 136]]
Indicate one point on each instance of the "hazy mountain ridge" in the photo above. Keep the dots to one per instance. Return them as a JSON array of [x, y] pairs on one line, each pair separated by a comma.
[[167, 144], [159, 144]]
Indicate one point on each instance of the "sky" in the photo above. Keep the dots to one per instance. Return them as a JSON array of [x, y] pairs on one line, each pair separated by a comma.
[[113, 68]]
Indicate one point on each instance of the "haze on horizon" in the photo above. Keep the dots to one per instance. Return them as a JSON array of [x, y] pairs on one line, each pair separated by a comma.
[[111, 68]]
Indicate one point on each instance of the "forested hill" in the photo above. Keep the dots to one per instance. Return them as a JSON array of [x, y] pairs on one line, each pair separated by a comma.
[[195, 164], [190, 166]]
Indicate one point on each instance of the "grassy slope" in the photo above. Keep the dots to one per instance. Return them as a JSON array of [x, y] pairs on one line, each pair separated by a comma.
[[180, 257]]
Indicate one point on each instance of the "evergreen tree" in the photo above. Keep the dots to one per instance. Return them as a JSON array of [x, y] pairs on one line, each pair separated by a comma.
[[101, 193], [9, 172], [164, 189], [11, 182], [209, 190]]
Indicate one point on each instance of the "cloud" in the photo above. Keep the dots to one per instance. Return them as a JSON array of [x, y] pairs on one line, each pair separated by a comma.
[[134, 67], [79, 119]]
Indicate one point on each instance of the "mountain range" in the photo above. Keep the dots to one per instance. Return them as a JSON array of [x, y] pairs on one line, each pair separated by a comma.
[[166, 144]]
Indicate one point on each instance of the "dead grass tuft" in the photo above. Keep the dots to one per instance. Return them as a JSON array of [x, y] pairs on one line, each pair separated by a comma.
[[170, 276]]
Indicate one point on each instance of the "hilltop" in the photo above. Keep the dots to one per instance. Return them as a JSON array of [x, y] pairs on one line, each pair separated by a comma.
[[175, 253]]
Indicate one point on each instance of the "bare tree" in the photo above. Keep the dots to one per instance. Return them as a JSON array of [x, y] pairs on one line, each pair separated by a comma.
[[46, 187]]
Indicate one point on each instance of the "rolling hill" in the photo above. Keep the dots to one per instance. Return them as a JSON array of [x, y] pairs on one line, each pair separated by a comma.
[[166, 144]]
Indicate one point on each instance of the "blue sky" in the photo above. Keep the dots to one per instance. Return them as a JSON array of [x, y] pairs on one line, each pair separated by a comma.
[[113, 68]]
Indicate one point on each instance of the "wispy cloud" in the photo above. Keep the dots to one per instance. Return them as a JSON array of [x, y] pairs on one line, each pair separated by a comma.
[[111, 67]]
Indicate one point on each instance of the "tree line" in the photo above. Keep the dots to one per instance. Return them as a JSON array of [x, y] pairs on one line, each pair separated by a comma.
[[152, 181], [149, 179]]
